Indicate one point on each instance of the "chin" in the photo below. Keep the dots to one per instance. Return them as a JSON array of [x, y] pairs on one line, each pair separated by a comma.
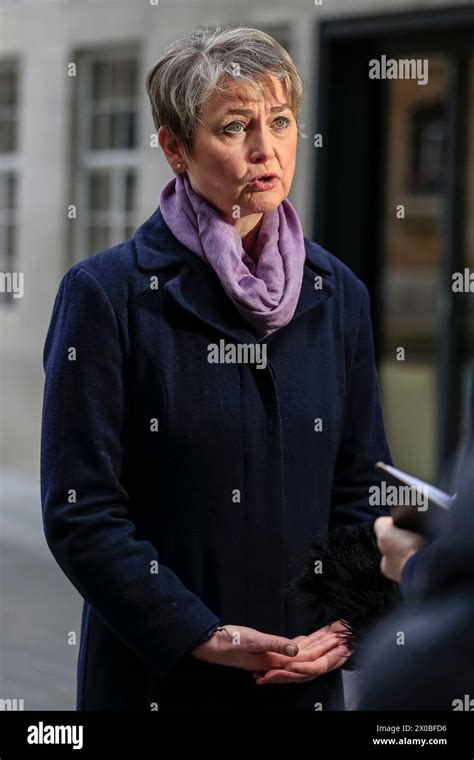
[[265, 201]]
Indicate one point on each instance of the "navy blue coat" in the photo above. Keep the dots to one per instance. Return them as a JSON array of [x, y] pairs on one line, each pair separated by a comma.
[[178, 493]]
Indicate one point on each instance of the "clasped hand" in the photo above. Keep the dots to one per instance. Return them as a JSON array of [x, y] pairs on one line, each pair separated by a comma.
[[277, 659], [318, 653]]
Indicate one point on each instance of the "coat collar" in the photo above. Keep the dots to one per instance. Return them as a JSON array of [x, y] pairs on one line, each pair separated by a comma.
[[193, 285]]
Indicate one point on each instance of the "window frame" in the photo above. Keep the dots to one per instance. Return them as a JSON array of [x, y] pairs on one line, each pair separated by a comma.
[[86, 160]]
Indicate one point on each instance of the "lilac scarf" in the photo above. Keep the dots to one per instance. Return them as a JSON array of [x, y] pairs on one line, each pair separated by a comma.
[[264, 292]]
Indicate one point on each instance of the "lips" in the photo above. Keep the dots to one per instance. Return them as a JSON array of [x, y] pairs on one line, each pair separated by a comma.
[[267, 181], [267, 175]]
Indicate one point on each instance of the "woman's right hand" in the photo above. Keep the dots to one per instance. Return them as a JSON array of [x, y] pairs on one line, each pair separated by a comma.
[[240, 647]]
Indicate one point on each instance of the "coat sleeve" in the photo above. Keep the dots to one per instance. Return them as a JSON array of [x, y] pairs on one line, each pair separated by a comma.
[[414, 572], [86, 508], [363, 440]]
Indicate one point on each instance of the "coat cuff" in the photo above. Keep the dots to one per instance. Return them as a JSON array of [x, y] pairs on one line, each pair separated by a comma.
[[410, 574], [185, 637], [208, 635]]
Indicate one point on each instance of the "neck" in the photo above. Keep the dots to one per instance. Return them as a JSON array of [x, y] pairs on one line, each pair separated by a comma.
[[248, 228]]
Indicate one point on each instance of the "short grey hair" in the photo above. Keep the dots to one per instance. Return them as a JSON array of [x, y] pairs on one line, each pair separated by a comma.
[[199, 64]]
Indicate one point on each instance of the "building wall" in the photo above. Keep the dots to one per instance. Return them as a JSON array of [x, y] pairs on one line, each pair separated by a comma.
[[44, 37]]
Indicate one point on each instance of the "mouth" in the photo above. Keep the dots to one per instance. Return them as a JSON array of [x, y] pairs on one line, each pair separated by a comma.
[[266, 181]]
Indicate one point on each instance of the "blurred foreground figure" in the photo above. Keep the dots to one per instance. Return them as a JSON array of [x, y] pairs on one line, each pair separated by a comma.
[[422, 656]]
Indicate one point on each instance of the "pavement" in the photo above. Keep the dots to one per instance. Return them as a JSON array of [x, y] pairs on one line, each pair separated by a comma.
[[40, 610]]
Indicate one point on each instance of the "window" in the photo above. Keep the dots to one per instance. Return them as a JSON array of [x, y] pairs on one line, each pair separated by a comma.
[[428, 147], [415, 133], [8, 107], [8, 168], [106, 150]]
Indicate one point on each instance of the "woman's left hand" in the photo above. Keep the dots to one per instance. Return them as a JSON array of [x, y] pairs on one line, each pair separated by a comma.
[[319, 652]]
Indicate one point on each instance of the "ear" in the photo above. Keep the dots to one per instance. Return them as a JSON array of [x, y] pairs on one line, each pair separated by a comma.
[[171, 148]]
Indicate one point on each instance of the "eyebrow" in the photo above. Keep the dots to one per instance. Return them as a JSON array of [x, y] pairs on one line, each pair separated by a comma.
[[247, 111]]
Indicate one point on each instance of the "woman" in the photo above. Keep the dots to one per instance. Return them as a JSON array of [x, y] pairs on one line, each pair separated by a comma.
[[211, 405]]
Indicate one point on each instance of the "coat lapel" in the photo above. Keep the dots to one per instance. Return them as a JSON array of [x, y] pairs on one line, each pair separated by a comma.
[[197, 289]]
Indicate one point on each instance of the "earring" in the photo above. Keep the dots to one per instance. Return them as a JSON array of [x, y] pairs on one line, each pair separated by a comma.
[[178, 166]]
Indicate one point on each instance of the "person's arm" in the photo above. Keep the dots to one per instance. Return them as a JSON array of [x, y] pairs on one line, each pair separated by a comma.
[[86, 508], [363, 440], [410, 576], [417, 567]]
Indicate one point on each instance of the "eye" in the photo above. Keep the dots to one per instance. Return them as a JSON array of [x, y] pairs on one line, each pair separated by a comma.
[[233, 124], [285, 119]]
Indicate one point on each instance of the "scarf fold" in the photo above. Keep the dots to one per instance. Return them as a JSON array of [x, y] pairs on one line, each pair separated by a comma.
[[266, 291]]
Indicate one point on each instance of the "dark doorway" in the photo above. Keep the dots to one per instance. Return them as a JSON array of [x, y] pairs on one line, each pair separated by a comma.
[[395, 200]]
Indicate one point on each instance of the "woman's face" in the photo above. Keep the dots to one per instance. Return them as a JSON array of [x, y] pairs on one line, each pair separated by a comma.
[[240, 139]]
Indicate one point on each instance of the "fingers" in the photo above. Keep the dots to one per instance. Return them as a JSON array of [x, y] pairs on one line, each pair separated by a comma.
[[316, 652], [381, 525], [310, 647], [281, 676], [389, 535], [299, 640], [339, 627], [271, 653], [327, 662], [396, 546], [312, 638], [298, 672], [318, 649], [332, 631], [260, 643], [309, 651], [263, 642]]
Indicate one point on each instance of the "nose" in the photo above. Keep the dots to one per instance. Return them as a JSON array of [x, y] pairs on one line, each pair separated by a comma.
[[260, 145]]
